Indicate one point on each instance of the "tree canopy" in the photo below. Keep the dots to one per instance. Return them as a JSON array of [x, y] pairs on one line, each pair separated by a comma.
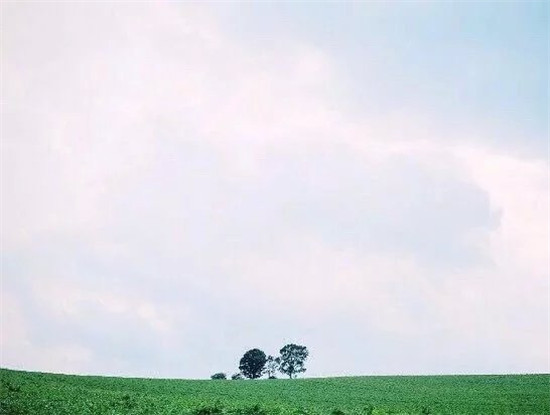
[[252, 364], [272, 366], [293, 357]]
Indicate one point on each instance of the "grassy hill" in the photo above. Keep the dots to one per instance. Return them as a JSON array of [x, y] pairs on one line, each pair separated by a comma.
[[40, 393]]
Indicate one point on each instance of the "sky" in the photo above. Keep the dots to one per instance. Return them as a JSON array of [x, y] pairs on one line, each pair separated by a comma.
[[182, 182]]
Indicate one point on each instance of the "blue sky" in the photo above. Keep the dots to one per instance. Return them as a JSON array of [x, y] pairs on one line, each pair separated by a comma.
[[482, 62], [183, 182]]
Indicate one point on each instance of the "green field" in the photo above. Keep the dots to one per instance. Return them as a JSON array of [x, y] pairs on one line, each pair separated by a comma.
[[39, 393]]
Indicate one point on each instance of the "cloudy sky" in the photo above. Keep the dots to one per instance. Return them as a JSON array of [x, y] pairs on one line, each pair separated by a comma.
[[183, 182]]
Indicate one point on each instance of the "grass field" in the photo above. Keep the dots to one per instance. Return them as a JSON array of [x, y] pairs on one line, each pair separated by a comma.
[[39, 393]]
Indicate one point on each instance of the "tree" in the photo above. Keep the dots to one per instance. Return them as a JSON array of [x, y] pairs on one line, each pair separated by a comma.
[[272, 366], [252, 364], [293, 357], [218, 376], [236, 376]]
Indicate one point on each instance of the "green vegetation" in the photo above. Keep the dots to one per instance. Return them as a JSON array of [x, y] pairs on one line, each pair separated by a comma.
[[39, 393], [254, 363]]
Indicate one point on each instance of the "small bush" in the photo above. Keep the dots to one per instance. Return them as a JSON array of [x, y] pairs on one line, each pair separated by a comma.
[[368, 410], [218, 376], [208, 410], [253, 410], [11, 387]]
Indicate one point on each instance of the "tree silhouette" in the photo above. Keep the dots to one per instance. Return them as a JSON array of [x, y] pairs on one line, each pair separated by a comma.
[[293, 357], [272, 366], [252, 363]]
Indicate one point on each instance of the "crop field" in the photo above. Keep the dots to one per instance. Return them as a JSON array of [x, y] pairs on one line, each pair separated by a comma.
[[40, 393]]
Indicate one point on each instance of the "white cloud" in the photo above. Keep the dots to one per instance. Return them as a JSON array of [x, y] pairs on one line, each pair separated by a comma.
[[158, 172]]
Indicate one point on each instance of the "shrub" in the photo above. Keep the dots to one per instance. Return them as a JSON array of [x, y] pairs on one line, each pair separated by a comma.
[[218, 376], [253, 410], [208, 410], [368, 410]]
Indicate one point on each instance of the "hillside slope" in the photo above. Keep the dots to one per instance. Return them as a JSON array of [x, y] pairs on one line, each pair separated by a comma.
[[39, 393]]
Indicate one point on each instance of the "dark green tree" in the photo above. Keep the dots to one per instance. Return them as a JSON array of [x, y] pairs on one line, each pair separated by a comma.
[[218, 376], [272, 366], [293, 357], [252, 364]]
